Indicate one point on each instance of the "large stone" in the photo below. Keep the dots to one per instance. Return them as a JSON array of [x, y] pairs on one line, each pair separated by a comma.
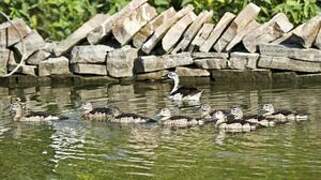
[[105, 26], [90, 54], [29, 45], [307, 33], [240, 35], [37, 57], [6, 55], [54, 66], [192, 30], [79, 34], [94, 69], [317, 42], [12, 33], [143, 34], [201, 36], [220, 27], [267, 32], [283, 63], [191, 72], [160, 32], [24, 69], [120, 62], [243, 61], [152, 76], [211, 63], [175, 32], [293, 53], [157, 63], [127, 27], [247, 15], [204, 55]]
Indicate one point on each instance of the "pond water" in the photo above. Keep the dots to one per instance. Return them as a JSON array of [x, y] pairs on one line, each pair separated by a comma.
[[77, 149]]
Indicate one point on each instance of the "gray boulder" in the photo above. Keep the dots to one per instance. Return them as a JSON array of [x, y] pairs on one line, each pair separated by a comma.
[[54, 66]]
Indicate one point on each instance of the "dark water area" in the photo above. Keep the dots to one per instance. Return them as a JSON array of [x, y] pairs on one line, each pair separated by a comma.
[[78, 149]]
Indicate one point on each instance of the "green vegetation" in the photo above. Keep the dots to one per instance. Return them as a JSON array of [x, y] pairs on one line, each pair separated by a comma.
[[55, 19]]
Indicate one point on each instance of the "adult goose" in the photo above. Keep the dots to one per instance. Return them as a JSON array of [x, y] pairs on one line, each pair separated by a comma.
[[181, 93]]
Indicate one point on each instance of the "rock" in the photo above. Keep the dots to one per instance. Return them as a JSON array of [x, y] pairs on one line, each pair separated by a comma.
[[8, 32], [79, 34], [283, 63], [203, 55], [143, 34], [175, 32], [94, 69], [24, 69], [217, 31], [267, 32], [106, 26], [128, 26], [292, 53], [201, 36], [157, 63], [192, 30], [152, 76], [54, 66], [37, 57], [247, 15], [159, 33], [120, 62], [6, 55], [317, 42], [243, 61], [32, 43], [308, 32], [90, 54], [240, 35], [191, 72], [211, 63]]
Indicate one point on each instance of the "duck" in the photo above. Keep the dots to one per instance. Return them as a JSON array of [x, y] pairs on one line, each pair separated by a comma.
[[257, 121], [283, 115], [89, 112], [22, 114], [181, 93], [207, 112], [124, 117], [232, 122], [164, 116]]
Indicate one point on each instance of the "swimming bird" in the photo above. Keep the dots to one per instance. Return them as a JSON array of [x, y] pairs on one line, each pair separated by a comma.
[[181, 93], [97, 113], [122, 117], [207, 112], [232, 122], [283, 115], [257, 121], [21, 113], [165, 118]]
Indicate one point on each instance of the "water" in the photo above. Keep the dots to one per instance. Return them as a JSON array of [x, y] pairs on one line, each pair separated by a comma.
[[76, 149]]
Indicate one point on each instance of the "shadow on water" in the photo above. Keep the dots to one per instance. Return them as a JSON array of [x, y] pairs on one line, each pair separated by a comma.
[[75, 148]]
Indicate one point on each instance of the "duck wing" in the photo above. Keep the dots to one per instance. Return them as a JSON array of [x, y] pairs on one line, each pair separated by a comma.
[[40, 114], [185, 91]]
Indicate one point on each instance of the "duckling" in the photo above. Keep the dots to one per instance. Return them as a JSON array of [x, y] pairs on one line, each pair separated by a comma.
[[282, 115], [121, 117], [207, 112], [165, 117], [257, 121], [183, 93], [233, 122], [21, 113], [98, 113]]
